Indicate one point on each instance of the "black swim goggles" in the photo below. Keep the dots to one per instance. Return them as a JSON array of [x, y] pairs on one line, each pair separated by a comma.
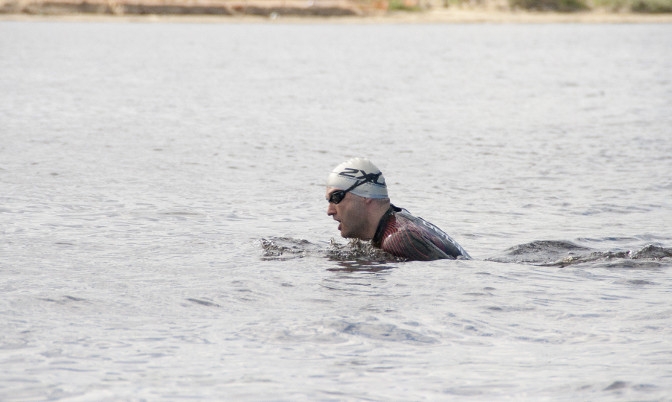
[[338, 195]]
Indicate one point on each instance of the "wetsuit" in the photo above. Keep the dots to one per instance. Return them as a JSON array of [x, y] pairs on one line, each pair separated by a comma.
[[407, 236]]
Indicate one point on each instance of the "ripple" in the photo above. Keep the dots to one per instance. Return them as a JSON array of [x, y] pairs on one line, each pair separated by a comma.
[[384, 332], [203, 302]]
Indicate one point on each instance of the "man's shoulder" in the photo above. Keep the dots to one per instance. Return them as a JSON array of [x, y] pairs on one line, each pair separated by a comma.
[[423, 236]]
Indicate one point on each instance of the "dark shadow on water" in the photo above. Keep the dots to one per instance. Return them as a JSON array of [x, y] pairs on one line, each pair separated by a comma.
[[361, 266], [203, 302]]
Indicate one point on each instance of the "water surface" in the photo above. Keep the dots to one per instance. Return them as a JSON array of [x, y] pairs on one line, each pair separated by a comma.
[[163, 229]]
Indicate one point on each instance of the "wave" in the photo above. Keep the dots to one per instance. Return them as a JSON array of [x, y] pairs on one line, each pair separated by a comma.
[[357, 255], [562, 253]]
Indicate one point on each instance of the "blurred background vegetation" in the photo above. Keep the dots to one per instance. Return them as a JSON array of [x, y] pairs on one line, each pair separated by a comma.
[[322, 7], [641, 6], [637, 6]]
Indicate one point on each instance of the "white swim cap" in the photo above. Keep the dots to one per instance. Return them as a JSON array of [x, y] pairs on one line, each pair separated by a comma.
[[370, 180]]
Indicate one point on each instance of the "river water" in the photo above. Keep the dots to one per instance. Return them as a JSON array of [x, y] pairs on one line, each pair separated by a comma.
[[163, 229]]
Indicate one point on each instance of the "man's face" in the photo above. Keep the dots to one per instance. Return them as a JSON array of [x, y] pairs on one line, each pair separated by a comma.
[[350, 213]]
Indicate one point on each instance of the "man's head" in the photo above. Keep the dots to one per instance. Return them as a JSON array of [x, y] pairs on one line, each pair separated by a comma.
[[357, 196]]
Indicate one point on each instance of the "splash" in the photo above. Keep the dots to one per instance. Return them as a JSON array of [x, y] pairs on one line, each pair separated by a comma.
[[284, 248], [357, 250]]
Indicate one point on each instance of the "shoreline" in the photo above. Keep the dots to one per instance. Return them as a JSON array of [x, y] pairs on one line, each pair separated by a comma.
[[444, 18], [338, 13]]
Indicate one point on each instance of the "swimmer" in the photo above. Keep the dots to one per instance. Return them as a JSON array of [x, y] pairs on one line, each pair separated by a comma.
[[358, 200]]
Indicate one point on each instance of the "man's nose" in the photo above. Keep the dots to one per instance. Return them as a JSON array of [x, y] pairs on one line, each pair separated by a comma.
[[331, 209]]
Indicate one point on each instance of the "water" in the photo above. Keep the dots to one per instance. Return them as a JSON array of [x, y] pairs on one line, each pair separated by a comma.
[[163, 229]]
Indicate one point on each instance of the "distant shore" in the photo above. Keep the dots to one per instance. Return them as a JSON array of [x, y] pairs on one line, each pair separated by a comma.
[[333, 11]]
